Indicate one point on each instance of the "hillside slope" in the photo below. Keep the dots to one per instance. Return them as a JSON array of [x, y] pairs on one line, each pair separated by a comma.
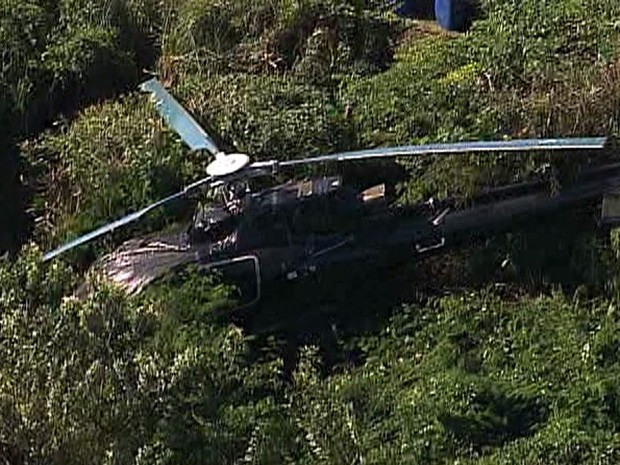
[[457, 368]]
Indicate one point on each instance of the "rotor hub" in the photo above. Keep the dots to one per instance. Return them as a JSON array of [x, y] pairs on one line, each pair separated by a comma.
[[227, 164]]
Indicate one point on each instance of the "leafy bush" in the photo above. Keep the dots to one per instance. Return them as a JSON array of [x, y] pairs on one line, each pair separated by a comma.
[[87, 64], [316, 38], [521, 43], [67, 51], [268, 117], [471, 378], [113, 380], [57, 56], [114, 158]]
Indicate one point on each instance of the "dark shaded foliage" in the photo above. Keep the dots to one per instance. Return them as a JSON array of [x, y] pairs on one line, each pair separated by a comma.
[[495, 418], [57, 57]]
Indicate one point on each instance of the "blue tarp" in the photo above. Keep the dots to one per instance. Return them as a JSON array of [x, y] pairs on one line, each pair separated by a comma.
[[453, 15]]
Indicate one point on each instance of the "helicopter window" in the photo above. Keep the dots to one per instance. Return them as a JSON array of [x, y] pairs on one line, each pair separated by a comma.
[[212, 225], [213, 222], [224, 228], [244, 273]]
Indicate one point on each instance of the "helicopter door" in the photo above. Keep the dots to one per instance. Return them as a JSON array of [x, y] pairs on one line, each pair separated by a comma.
[[244, 273]]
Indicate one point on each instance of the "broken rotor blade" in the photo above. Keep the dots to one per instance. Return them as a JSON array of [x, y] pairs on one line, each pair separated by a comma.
[[179, 119], [122, 221], [519, 145]]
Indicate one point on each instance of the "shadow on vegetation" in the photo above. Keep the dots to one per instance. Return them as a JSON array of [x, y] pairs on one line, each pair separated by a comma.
[[496, 417], [424, 9], [15, 225], [55, 98]]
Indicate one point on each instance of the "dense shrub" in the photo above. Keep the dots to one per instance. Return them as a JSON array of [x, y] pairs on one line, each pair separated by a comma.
[[114, 158], [317, 38], [524, 42], [57, 56], [116, 381], [473, 379], [269, 117]]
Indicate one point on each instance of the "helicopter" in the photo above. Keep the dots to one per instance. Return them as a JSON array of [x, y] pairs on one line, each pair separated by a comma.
[[319, 230]]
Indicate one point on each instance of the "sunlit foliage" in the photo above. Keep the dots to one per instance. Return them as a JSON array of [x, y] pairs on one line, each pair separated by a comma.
[[486, 373]]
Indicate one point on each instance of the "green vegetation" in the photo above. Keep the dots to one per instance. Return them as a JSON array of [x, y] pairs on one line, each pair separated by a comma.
[[475, 373]]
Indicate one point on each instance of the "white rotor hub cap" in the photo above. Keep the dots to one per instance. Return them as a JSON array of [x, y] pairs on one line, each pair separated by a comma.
[[227, 164]]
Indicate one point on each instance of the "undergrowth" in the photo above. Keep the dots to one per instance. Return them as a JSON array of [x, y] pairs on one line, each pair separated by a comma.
[[474, 375]]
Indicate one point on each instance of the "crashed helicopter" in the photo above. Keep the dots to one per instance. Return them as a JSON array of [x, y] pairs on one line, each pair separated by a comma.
[[321, 229]]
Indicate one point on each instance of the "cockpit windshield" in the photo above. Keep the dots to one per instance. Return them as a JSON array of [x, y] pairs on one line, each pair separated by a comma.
[[212, 223]]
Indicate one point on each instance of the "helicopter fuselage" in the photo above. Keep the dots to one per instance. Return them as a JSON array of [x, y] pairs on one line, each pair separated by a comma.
[[321, 231], [338, 234]]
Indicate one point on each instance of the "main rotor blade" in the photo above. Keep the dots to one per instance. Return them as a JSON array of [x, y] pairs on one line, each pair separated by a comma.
[[522, 145], [121, 221], [178, 118]]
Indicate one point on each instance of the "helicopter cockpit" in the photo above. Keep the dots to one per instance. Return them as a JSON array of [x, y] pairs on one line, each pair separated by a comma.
[[216, 222], [212, 223]]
